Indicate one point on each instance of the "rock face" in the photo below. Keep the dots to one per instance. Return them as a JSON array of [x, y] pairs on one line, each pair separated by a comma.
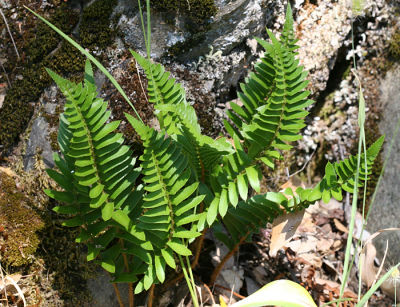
[[385, 211], [38, 141]]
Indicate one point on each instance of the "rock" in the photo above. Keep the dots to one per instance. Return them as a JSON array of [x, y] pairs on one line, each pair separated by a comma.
[[38, 140], [103, 292], [322, 30], [385, 211], [234, 23], [163, 35]]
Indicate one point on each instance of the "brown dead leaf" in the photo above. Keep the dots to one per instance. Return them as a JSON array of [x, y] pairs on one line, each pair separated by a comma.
[[368, 272], [324, 245], [334, 287], [283, 229], [307, 245], [311, 259], [340, 226]]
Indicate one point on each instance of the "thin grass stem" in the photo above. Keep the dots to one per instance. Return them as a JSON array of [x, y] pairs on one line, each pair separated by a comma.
[[189, 284], [9, 32]]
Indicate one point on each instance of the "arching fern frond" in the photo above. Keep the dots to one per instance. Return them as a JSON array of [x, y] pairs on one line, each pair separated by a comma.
[[171, 197], [179, 119], [274, 100], [340, 175], [249, 216], [98, 173], [168, 98]]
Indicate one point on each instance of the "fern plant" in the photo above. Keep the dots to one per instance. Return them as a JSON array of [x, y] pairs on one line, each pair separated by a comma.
[[139, 215]]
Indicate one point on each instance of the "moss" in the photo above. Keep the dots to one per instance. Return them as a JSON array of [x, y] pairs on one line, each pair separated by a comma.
[[17, 108], [66, 60], [95, 26], [46, 39], [19, 224], [185, 46], [66, 263], [394, 45], [199, 12]]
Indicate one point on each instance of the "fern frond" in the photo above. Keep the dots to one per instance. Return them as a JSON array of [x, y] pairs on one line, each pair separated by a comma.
[[274, 100], [98, 173], [171, 197], [168, 98], [179, 119], [249, 216], [288, 37], [340, 175]]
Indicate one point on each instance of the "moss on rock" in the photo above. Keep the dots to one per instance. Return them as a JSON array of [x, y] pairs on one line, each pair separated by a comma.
[[199, 12], [19, 224], [17, 109], [394, 47], [95, 28]]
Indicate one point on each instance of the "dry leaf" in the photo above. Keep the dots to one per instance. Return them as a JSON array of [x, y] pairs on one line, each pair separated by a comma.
[[340, 226], [324, 245], [369, 270], [283, 229], [311, 258]]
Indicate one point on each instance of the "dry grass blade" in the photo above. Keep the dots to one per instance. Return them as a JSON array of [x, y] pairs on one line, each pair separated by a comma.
[[17, 287], [9, 32]]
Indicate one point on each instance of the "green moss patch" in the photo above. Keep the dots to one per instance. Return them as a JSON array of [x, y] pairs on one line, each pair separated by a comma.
[[198, 11], [17, 107], [19, 224], [95, 28], [394, 47]]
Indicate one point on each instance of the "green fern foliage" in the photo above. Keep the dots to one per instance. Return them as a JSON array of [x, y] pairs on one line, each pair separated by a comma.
[[98, 173], [273, 99], [138, 214]]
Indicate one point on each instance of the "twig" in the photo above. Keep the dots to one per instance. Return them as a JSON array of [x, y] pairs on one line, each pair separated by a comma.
[[210, 293], [130, 285], [118, 294], [220, 265], [230, 290], [9, 32], [304, 165], [151, 296], [140, 82], [5, 72]]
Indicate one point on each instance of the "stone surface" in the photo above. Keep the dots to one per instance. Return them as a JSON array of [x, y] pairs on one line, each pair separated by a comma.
[[38, 141], [385, 211], [103, 292], [162, 35]]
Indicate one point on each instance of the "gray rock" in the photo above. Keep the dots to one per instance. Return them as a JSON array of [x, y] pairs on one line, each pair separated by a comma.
[[162, 35], [103, 292], [385, 211], [38, 140], [234, 22]]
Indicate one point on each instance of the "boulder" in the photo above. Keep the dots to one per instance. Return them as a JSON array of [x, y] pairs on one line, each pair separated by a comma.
[[385, 211]]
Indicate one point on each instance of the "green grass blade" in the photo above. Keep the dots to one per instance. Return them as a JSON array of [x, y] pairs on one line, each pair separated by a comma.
[[90, 57]]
